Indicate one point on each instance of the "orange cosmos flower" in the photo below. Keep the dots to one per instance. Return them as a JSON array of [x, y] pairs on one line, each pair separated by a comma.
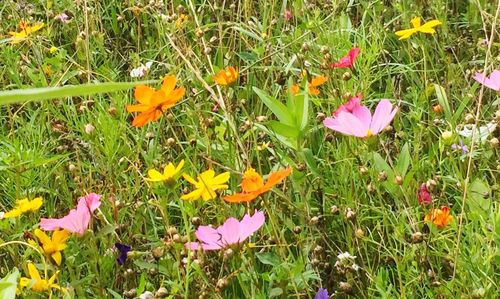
[[253, 185], [153, 103], [227, 76], [313, 85], [440, 217]]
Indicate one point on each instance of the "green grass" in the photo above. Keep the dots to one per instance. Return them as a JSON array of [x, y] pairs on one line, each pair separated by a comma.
[[45, 151]]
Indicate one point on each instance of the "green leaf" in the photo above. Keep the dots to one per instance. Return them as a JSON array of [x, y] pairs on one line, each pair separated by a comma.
[[403, 161], [478, 200], [283, 130], [46, 93], [301, 111], [280, 110], [8, 285], [443, 100], [275, 292], [114, 294], [268, 258]]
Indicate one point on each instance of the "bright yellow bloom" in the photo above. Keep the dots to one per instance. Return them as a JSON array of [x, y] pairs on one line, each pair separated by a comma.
[[24, 206], [39, 285], [52, 247], [25, 30], [169, 173], [227, 76], [425, 28], [181, 20], [206, 185], [53, 50]]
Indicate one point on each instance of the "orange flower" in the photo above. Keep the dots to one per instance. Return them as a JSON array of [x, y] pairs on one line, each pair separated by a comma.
[[227, 76], [153, 103], [253, 185], [313, 84], [440, 217]]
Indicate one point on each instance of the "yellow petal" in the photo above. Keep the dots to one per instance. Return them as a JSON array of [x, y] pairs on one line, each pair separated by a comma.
[[221, 178], [192, 195], [33, 272], [415, 22], [57, 257], [179, 167], [155, 176], [189, 179], [42, 236]]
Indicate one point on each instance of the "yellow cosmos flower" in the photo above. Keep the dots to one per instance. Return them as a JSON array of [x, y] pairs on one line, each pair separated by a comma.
[[169, 173], [206, 185], [425, 28], [23, 206], [39, 284], [25, 31], [52, 247], [227, 76]]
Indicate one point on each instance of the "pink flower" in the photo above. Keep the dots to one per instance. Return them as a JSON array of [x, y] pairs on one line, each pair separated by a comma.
[[230, 233], [349, 106], [348, 60], [492, 82], [77, 221], [424, 196], [288, 15], [359, 122]]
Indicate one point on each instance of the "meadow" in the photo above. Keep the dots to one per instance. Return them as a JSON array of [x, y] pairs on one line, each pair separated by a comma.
[[249, 149]]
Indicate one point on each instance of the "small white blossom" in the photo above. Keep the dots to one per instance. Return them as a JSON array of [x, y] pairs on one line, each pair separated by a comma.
[[483, 133], [141, 71], [147, 295]]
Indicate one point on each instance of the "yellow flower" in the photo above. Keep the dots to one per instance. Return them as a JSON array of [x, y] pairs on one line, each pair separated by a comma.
[[53, 50], [181, 20], [53, 247], [26, 30], [425, 28], [227, 76], [24, 206], [206, 185], [39, 284], [169, 173]]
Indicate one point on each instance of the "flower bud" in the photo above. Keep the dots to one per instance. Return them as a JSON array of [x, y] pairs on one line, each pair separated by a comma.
[[346, 76], [437, 108], [447, 135], [398, 180], [382, 176], [469, 118], [494, 142], [359, 233], [170, 141], [345, 287], [417, 237], [334, 210], [89, 128], [161, 293], [297, 230], [363, 170]]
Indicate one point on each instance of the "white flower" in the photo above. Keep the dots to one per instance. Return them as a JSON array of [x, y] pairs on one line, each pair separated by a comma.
[[355, 267], [141, 71], [1, 215], [346, 256], [483, 132]]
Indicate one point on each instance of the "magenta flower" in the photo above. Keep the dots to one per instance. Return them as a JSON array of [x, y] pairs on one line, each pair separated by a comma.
[[230, 233], [359, 121], [77, 221], [424, 196], [288, 15], [348, 60], [492, 82]]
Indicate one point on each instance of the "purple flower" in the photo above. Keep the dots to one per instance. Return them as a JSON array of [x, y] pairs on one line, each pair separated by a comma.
[[322, 294], [123, 249], [424, 196], [460, 146]]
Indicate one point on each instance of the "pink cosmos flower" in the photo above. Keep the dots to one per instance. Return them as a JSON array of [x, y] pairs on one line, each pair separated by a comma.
[[230, 233], [288, 15], [492, 82], [359, 122], [77, 221], [349, 106], [348, 60], [424, 196]]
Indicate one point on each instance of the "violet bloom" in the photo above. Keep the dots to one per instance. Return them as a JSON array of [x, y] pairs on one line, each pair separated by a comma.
[[322, 294], [359, 121], [230, 233], [460, 146], [123, 250], [492, 82], [424, 196]]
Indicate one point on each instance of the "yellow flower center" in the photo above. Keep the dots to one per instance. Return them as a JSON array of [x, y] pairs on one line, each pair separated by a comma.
[[369, 133]]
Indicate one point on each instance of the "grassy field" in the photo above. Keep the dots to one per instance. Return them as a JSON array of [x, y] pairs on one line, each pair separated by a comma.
[[363, 217]]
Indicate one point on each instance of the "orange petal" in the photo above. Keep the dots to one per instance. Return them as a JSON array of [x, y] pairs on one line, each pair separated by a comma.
[[317, 81], [137, 108], [241, 197], [295, 89], [276, 177], [143, 94], [145, 117], [168, 84]]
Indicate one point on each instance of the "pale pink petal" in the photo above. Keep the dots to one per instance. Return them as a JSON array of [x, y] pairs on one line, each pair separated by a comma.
[[363, 114], [382, 117], [352, 125], [93, 201], [192, 245], [250, 224], [230, 231], [208, 235], [492, 82], [479, 77]]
